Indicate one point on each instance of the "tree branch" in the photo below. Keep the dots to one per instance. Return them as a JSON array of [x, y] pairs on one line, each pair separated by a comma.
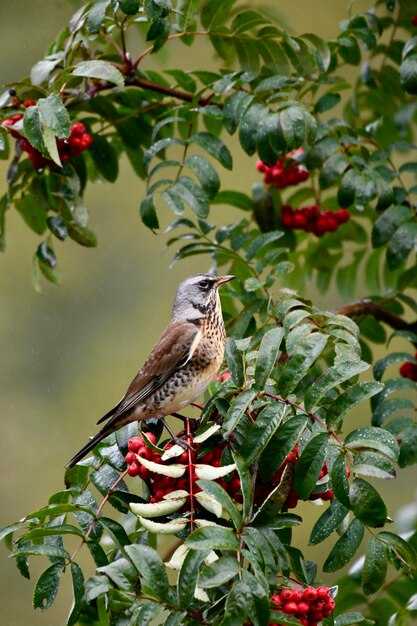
[[368, 307]]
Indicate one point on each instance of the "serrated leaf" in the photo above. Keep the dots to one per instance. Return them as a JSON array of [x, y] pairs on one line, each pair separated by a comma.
[[340, 481], [213, 538], [367, 504], [267, 422], [401, 244], [122, 573], [353, 396], [47, 587], [387, 223], [331, 377], [219, 572], [373, 464], [237, 604], [208, 472], [157, 509], [308, 468], [99, 69], [237, 410], [345, 548], [215, 147], [302, 357], [373, 438], [281, 444], [54, 116], [375, 566], [163, 528], [328, 522], [352, 618], [149, 565], [207, 175], [187, 577], [77, 592], [222, 497], [403, 549], [267, 354]]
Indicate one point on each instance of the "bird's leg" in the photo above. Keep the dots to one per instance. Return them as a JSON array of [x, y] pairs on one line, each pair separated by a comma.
[[194, 423], [181, 441]]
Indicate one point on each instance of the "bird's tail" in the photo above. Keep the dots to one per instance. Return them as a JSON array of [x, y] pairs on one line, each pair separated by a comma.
[[102, 434]]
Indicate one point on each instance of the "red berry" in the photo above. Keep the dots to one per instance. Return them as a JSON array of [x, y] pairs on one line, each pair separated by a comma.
[[275, 598], [320, 227], [303, 608], [77, 130], [409, 370], [134, 444], [144, 473], [30, 102], [342, 215], [310, 594], [292, 499], [327, 495], [290, 607], [151, 437], [260, 166], [130, 457], [134, 469], [414, 20], [285, 595], [323, 593], [300, 219], [296, 595]]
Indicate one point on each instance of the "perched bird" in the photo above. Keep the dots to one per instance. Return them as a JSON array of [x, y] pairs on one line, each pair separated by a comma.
[[182, 363]]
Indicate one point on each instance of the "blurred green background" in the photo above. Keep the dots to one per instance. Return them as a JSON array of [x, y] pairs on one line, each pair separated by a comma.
[[68, 355]]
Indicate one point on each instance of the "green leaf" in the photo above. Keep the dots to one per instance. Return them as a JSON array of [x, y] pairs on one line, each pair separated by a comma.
[[367, 504], [234, 108], [33, 211], [373, 464], [401, 244], [309, 466], [331, 377], [386, 408], [149, 565], [267, 354], [353, 396], [234, 198], [408, 74], [237, 410], [351, 618], [267, 423], [345, 548], [186, 21], [302, 357], [42, 549], [215, 147], [373, 438], [206, 174], [328, 522], [215, 13], [105, 158], [99, 69], [375, 566], [78, 593], [340, 481], [187, 577], [59, 529], [130, 7], [394, 357], [47, 587], [213, 489], [122, 573], [387, 223], [219, 572], [148, 213], [281, 444], [401, 548], [54, 116], [96, 15], [32, 128], [327, 102], [234, 360], [213, 538], [82, 235], [237, 604], [116, 531], [408, 449]]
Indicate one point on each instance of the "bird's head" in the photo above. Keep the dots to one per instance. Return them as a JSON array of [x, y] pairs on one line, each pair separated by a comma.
[[197, 296]]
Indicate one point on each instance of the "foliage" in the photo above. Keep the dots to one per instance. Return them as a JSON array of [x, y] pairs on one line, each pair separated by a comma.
[[296, 372]]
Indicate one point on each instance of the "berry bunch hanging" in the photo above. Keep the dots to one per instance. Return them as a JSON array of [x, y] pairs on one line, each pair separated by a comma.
[[78, 141], [309, 606], [312, 220], [285, 172], [161, 481]]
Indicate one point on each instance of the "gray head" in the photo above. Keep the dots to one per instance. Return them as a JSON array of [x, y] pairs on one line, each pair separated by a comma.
[[197, 296]]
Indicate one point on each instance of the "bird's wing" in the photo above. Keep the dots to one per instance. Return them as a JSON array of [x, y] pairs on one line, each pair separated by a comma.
[[174, 349]]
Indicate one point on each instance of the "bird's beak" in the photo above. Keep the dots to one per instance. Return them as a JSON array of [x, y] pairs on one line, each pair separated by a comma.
[[220, 280]]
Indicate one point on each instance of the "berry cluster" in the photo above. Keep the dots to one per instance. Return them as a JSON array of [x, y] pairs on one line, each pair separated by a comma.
[[310, 605], [312, 220], [160, 485], [78, 141], [409, 369], [284, 172], [262, 491]]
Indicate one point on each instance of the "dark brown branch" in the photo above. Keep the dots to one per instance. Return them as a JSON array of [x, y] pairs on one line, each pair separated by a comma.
[[368, 307]]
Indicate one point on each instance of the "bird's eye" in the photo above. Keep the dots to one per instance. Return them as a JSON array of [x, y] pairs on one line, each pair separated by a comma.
[[204, 284]]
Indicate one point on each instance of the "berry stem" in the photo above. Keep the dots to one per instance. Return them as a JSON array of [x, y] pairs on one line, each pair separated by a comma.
[[190, 475]]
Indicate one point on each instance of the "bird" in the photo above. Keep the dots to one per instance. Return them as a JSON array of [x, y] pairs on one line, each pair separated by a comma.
[[182, 363]]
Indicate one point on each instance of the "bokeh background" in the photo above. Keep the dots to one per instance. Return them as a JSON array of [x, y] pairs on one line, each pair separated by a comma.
[[67, 356]]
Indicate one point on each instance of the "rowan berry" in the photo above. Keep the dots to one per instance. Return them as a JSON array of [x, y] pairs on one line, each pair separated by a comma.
[[285, 595], [290, 607], [134, 444]]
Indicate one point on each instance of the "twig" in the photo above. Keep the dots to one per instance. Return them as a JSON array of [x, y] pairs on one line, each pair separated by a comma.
[[368, 307]]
